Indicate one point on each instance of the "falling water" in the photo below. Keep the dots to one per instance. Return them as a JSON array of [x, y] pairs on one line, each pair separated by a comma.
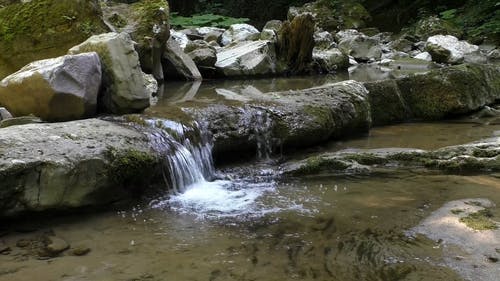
[[188, 151]]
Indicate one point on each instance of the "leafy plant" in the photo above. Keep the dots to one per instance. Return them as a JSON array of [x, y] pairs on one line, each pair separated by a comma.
[[200, 20], [448, 14]]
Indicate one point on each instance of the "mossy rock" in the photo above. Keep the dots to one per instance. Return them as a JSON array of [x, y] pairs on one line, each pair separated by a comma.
[[131, 168], [480, 220], [43, 29]]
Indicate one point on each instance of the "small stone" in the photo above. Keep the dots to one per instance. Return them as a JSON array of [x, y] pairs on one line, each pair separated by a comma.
[[492, 259], [80, 251], [4, 249], [55, 246]]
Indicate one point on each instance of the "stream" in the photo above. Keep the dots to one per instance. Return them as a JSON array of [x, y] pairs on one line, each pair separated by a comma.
[[245, 222]]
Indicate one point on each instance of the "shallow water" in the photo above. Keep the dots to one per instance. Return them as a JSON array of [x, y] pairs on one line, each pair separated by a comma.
[[250, 224]]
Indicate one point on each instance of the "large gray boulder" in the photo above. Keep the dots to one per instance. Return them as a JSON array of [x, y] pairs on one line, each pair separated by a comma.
[[177, 65], [458, 50], [202, 53], [59, 89], [330, 60], [239, 32], [435, 94], [71, 165], [290, 118], [124, 89], [248, 58]]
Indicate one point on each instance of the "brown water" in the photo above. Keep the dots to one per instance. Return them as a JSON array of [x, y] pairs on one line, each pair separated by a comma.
[[311, 228]]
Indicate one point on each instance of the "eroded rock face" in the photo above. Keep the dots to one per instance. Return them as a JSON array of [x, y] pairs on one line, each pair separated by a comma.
[[361, 47], [44, 29], [124, 89], [60, 89], [69, 165], [458, 50]]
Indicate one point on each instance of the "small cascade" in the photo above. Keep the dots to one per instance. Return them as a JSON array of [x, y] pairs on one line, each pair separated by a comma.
[[262, 130], [188, 151]]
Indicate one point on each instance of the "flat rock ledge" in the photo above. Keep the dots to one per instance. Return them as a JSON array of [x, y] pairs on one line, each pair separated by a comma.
[[57, 166], [478, 157]]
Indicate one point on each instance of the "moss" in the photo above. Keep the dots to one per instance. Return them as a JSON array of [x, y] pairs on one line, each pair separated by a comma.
[[485, 153], [480, 220], [367, 159], [315, 165], [130, 167], [136, 118], [117, 20], [456, 211], [45, 28], [146, 13]]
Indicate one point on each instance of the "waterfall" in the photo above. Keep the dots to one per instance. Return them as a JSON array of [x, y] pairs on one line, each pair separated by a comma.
[[188, 153]]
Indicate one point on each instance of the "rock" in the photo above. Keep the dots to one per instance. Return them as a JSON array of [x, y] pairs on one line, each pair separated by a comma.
[[4, 249], [123, 83], [4, 114], [424, 56], [487, 112], [269, 34], [330, 60], [477, 157], [179, 37], [273, 25], [60, 89], [347, 34], [296, 43], [439, 45], [151, 85], [494, 55], [361, 47], [213, 37], [206, 30], [433, 25], [248, 58], [39, 30], [394, 55], [23, 243], [177, 64], [55, 245], [296, 118], [59, 166], [239, 32], [80, 251], [202, 53], [435, 94], [331, 16], [324, 40], [16, 121], [402, 45]]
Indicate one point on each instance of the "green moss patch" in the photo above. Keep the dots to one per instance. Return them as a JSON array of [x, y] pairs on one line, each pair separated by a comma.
[[480, 220], [130, 167]]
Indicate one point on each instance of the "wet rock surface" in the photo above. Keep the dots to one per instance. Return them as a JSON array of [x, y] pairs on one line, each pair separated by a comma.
[[70, 165]]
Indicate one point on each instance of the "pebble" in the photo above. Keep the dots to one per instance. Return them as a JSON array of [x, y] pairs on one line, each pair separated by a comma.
[[55, 245], [80, 251]]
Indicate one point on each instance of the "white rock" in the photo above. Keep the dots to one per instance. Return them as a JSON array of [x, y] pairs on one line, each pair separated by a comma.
[[238, 32], [424, 56], [248, 58], [458, 49], [180, 38]]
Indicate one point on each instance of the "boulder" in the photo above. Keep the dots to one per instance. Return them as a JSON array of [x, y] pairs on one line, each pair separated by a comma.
[[494, 55], [60, 89], [124, 88], [35, 30], [248, 58], [439, 45], [433, 25], [361, 47], [239, 32], [435, 94], [180, 38], [292, 118], [177, 64], [324, 40], [147, 24], [202, 53], [330, 60], [57, 166]]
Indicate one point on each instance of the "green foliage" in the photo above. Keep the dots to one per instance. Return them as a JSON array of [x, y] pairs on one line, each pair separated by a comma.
[[448, 14], [480, 220], [204, 20]]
